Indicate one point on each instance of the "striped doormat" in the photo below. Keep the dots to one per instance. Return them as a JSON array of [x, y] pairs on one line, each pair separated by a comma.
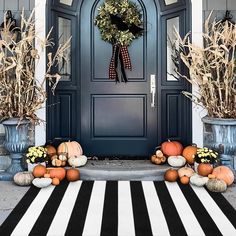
[[121, 208]]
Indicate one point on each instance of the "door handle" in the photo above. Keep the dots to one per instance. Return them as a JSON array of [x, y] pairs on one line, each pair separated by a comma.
[[153, 89]]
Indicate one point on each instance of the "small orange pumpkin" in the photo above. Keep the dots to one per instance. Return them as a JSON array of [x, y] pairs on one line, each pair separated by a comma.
[[188, 153], [171, 175], [184, 179], [171, 148], [204, 169], [224, 173], [70, 149], [72, 174], [51, 150], [59, 173], [55, 181], [39, 171]]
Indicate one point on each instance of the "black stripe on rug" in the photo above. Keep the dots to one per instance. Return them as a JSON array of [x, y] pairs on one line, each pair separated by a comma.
[[45, 218], [206, 222], [110, 210], [76, 223], [225, 207], [173, 220], [141, 218], [17, 213]]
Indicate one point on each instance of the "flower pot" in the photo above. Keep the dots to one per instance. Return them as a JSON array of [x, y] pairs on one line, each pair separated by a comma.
[[16, 142], [32, 165], [220, 135]]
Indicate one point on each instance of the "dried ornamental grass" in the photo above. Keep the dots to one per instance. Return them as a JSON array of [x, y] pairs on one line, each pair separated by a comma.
[[21, 95], [212, 68]]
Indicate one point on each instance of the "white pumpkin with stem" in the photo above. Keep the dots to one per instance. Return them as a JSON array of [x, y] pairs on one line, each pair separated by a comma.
[[176, 161], [77, 161]]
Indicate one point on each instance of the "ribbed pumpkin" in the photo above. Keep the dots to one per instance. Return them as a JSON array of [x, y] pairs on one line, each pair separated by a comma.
[[59, 173], [188, 153], [172, 148], [216, 185], [224, 173], [23, 178], [70, 148]]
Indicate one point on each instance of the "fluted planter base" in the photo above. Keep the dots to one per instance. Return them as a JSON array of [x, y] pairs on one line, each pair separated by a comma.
[[16, 142]]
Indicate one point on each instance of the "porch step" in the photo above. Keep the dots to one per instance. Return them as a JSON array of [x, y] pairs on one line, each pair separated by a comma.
[[122, 170]]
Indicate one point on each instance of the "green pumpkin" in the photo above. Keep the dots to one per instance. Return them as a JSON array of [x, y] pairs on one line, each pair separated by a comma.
[[216, 185]]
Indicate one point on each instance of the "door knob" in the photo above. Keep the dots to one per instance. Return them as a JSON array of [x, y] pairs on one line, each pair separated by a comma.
[[153, 89]]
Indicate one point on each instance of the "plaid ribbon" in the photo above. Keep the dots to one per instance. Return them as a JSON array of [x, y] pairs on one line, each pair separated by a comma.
[[119, 53]]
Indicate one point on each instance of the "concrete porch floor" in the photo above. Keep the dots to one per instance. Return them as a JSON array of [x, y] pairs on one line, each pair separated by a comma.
[[10, 194]]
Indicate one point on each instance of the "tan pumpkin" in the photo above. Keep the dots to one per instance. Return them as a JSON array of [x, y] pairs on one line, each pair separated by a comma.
[[51, 150], [171, 148], [56, 162], [24, 178], [188, 153], [153, 158], [224, 173], [171, 175], [59, 173], [216, 185], [204, 169], [185, 171], [70, 149], [39, 171], [72, 174]]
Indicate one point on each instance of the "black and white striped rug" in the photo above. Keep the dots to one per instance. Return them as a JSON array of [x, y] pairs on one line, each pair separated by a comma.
[[121, 208]]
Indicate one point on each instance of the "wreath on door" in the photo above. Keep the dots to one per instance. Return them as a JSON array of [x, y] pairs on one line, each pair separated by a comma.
[[119, 22]]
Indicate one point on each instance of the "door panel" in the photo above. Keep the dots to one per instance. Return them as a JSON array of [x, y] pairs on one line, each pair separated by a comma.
[[117, 118]]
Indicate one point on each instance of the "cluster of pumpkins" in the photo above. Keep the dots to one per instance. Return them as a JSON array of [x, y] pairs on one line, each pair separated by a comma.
[[67, 153], [216, 179], [42, 177]]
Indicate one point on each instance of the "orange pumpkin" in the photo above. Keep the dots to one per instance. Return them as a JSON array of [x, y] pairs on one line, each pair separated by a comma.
[[59, 173], [51, 150], [224, 173], [184, 179], [188, 153], [204, 169], [55, 181], [39, 171], [70, 149], [172, 148], [72, 174], [171, 175]]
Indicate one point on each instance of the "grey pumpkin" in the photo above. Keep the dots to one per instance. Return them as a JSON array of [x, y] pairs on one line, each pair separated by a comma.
[[23, 178], [216, 185]]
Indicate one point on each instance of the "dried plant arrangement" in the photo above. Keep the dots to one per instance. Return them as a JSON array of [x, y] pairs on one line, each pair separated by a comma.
[[21, 95], [211, 67]]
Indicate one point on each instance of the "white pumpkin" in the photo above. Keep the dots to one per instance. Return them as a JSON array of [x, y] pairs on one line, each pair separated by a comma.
[[23, 178], [77, 161], [42, 182], [176, 161], [198, 180]]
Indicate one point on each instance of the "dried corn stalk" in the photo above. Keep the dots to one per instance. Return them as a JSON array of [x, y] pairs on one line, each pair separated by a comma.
[[212, 68], [21, 95]]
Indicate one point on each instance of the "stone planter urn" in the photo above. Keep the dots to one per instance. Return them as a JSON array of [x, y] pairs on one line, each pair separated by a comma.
[[16, 142], [220, 135]]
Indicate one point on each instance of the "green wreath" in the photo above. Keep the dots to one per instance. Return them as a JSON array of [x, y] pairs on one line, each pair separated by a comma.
[[119, 22]]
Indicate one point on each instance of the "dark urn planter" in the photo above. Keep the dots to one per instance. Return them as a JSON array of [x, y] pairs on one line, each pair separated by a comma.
[[16, 142], [220, 135]]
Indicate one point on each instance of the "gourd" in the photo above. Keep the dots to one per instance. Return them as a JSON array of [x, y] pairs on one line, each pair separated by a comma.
[[42, 182], [56, 162], [224, 173], [70, 149], [171, 175], [171, 148], [77, 161], [59, 173], [72, 174], [189, 152], [158, 158], [176, 161], [198, 180], [216, 185], [39, 171], [204, 169], [187, 171], [184, 179], [23, 178]]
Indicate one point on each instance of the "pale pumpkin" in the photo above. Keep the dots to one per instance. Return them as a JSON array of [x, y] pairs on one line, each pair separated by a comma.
[[185, 171], [224, 173], [42, 182], [216, 185], [176, 161], [23, 178], [171, 175], [77, 161], [188, 153], [171, 148], [70, 149], [198, 180]]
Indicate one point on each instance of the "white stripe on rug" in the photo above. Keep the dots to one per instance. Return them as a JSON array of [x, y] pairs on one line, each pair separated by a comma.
[[31, 215], [223, 224], [185, 212], [62, 216], [93, 220], [125, 210], [156, 215]]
